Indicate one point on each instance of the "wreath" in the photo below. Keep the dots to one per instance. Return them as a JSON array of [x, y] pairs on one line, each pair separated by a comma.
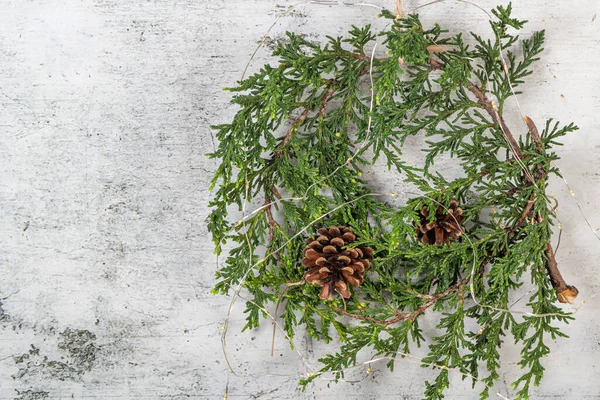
[[309, 238]]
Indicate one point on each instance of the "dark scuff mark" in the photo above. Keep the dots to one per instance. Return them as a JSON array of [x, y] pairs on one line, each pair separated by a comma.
[[81, 352], [79, 344], [3, 315], [33, 364], [31, 395]]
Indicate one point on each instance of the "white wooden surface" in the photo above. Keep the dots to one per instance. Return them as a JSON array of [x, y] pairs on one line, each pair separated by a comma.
[[104, 114]]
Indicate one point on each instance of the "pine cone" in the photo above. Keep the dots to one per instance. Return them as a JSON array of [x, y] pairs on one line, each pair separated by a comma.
[[331, 266], [447, 224]]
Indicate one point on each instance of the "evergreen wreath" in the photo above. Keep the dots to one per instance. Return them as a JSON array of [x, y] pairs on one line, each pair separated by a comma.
[[341, 259]]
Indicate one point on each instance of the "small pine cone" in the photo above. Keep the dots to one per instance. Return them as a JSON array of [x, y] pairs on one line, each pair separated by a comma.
[[447, 224], [333, 267]]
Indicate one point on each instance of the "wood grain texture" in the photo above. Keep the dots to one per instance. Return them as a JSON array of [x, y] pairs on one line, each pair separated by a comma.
[[106, 263]]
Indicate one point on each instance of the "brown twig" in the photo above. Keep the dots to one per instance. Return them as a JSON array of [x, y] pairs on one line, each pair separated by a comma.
[[539, 146], [565, 293], [420, 295], [535, 135], [359, 317], [401, 316], [325, 100], [364, 58], [286, 138], [524, 215], [300, 120], [483, 264], [272, 225], [496, 117], [275, 192]]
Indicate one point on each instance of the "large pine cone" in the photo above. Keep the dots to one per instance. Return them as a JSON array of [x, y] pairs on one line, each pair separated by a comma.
[[447, 224], [331, 266]]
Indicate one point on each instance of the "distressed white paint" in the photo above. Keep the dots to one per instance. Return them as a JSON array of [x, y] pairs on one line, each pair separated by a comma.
[[104, 113]]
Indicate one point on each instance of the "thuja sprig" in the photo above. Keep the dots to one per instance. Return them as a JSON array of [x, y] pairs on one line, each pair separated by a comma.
[[306, 129]]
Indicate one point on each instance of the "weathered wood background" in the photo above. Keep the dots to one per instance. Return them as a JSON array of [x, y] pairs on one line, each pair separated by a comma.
[[105, 262]]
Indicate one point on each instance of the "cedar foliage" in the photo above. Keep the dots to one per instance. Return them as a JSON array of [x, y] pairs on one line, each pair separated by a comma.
[[295, 135]]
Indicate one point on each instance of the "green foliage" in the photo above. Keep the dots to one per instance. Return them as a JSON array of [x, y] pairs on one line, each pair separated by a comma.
[[305, 131]]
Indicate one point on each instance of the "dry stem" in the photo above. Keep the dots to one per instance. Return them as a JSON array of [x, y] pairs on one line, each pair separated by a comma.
[[272, 225], [401, 316], [300, 120]]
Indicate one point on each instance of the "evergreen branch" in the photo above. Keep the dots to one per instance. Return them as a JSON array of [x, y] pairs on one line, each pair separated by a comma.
[[564, 292]]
